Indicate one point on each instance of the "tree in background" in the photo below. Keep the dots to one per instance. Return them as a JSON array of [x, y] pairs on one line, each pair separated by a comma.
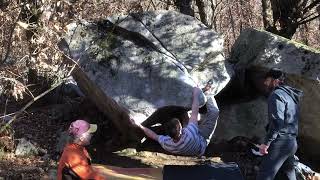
[[30, 29], [184, 6], [288, 15], [205, 10], [30, 61], [293, 19]]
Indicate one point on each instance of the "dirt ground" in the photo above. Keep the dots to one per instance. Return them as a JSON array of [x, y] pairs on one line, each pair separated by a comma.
[[42, 123]]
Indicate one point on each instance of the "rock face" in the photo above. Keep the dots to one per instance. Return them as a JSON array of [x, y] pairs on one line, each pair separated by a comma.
[[246, 119], [259, 49], [26, 148], [132, 65]]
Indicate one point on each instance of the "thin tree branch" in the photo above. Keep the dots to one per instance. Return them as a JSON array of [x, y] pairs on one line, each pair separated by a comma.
[[304, 18], [6, 115], [29, 104], [16, 114], [220, 9], [304, 3], [154, 6], [17, 82], [312, 5], [5, 108], [308, 20], [218, 3]]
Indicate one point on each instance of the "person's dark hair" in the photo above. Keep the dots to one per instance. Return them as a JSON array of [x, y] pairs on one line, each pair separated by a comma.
[[171, 127], [275, 73]]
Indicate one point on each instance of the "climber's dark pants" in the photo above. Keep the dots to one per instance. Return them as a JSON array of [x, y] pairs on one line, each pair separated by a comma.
[[280, 158]]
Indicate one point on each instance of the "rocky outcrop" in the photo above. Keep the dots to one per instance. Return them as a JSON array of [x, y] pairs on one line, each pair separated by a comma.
[[247, 119], [256, 49], [26, 148], [133, 65]]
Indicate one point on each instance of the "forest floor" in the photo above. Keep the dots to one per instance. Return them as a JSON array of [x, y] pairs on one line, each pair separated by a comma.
[[41, 126]]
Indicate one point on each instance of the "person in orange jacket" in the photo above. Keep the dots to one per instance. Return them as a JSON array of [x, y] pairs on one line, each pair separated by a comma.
[[75, 160]]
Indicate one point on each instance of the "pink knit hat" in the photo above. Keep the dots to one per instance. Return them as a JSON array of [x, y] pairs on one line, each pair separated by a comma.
[[78, 127]]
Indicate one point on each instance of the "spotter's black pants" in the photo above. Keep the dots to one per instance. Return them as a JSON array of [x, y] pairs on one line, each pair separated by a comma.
[[280, 157]]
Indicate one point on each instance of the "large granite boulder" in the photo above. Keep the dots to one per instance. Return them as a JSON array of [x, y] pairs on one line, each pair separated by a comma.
[[246, 119], [133, 65], [263, 50]]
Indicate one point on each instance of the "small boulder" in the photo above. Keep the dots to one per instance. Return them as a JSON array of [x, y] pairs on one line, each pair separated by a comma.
[[26, 148]]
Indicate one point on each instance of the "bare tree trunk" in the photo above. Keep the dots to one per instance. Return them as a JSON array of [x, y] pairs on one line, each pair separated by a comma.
[[232, 23], [213, 18], [242, 16], [9, 42], [318, 11], [281, 14], [290, 14], [266, 22], [202, 12], [168, 4], [304, 34], [30, 13], [184, 6], [216, 7]]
